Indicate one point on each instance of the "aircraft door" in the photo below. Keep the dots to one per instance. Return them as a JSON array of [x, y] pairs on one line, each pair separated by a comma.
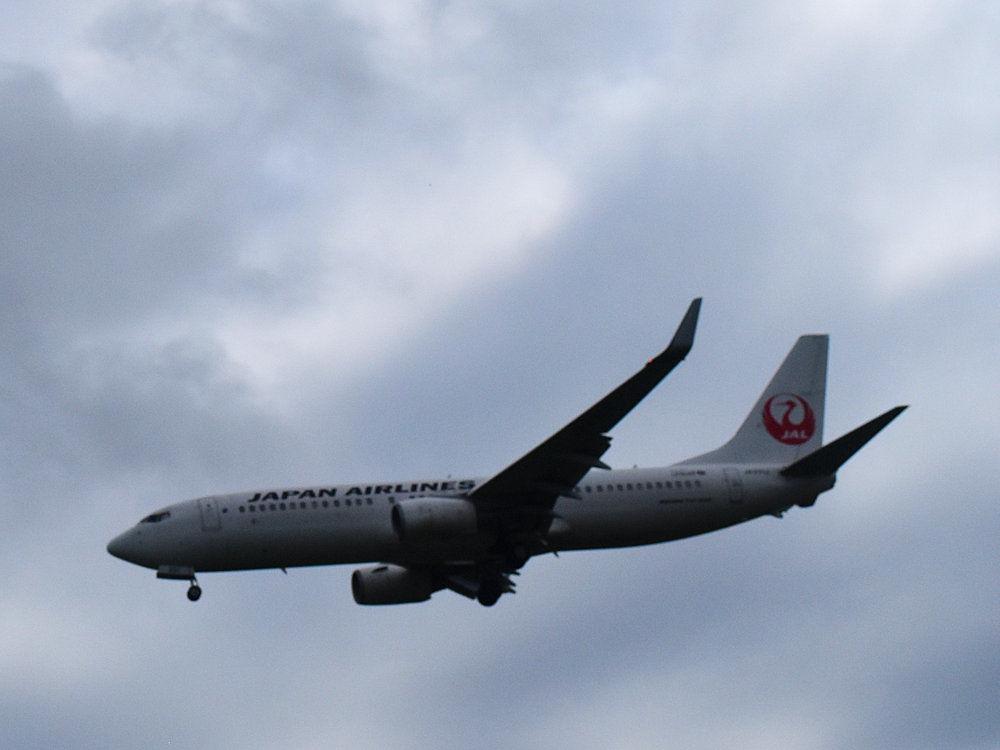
[[735, 482], [209, 509]]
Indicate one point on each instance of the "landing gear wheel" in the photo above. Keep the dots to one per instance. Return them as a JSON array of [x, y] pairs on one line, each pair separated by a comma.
[[489, 593], [194, 592]]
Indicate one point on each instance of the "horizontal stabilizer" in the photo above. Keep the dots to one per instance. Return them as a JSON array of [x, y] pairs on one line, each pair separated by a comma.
[[832, 456]]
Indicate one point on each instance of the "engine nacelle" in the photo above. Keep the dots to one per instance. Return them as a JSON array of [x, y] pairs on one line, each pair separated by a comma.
[[428, 520], [391, 584]]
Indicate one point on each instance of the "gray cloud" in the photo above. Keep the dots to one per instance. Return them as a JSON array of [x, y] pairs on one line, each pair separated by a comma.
[[253, 244]]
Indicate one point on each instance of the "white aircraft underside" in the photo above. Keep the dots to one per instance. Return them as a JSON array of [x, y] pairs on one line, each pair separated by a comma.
[[471, 535]]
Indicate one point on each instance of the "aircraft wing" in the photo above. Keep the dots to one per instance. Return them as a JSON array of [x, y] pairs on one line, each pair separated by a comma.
[[526, 491]]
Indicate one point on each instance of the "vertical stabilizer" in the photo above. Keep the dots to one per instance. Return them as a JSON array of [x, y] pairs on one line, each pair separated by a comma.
[[786, 423]]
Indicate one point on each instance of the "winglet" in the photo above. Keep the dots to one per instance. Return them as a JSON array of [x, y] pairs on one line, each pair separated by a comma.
[[683, 339], [829, 458]]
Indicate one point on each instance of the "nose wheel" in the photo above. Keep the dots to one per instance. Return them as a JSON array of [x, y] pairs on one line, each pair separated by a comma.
[[181, 573]]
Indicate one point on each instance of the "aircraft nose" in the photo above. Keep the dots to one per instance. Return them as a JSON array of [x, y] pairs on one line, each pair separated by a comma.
[[123, 546]]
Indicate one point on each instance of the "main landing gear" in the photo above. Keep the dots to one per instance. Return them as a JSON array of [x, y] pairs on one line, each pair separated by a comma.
[[490, 590], [492, 585], [194, 591]]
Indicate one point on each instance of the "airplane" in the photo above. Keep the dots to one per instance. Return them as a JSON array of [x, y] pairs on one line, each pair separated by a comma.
[[473, 535]]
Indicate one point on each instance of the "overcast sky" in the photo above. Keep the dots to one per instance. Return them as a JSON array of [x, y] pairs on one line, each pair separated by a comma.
[[249, 244]]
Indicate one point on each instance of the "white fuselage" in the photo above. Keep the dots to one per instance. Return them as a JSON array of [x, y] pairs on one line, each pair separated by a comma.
[[337, 524]]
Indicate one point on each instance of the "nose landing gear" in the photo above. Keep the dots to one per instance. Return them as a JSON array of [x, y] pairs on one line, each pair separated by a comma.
[[181, 573]]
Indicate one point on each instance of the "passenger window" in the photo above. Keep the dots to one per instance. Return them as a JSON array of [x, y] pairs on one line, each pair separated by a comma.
[[326, 503]]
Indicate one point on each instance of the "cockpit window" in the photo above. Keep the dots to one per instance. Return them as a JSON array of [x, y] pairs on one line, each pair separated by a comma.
[[156, 517]]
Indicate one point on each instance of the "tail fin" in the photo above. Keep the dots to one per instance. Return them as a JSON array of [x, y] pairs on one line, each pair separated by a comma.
[[786, 423]]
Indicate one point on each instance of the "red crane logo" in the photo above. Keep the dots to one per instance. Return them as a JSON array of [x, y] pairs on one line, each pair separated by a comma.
[[789, 419]]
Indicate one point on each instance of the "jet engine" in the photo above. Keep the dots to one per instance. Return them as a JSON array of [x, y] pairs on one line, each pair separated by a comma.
[[425, 520], [391, 584]]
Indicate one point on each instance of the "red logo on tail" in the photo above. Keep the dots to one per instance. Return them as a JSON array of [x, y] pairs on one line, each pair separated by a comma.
[[789, 419]]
